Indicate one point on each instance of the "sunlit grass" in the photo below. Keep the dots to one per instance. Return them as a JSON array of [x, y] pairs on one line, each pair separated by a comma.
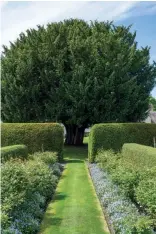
[[75, 209], [85, 140]]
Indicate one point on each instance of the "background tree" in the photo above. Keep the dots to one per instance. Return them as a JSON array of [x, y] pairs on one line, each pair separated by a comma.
[[76, 73], [152, 101]]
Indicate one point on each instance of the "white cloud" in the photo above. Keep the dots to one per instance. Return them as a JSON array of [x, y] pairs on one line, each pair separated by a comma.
[[23, 15], [144, 8], [19, 16], [2, 4]]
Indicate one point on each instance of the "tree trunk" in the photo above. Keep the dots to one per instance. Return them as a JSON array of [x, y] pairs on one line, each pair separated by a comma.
[[74, 135]]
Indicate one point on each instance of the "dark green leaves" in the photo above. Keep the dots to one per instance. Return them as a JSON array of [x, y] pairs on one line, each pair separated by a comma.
[[77, 73]]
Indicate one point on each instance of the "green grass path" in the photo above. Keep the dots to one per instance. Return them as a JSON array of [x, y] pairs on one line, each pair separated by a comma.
[[75, 208]]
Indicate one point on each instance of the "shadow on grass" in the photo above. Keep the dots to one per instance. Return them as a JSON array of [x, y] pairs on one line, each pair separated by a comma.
[[74, 161], [50, 221], [55, 221], [60, 196], [75, 153], [63, 176]]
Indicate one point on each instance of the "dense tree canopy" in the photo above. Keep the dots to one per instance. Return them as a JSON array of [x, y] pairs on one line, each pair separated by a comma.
[[77, 73]]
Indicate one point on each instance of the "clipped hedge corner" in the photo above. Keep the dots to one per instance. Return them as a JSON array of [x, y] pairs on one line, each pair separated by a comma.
[[36, 136], [14, 151], [114, 135], [144, 156]]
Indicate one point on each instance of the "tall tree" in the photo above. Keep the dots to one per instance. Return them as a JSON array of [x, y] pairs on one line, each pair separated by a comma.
[[77, 73]]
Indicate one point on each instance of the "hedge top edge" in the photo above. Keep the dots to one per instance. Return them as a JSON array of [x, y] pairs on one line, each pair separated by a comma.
[[113, 135], [36, 136]]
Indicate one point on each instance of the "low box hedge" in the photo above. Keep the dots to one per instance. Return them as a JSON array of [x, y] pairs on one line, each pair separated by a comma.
[[139, 155], [37, 136], [14, 151], [114, 135]]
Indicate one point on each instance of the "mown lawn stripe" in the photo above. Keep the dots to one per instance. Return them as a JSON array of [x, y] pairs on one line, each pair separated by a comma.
[[75, 209]]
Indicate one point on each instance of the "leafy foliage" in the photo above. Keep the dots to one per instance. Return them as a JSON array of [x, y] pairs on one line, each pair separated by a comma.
[[152, 101], [113, 136], [47, 157], [146, 192], [58, 72], [50, 159], [26, 188], [135, 176], [143, 156], [123, 215], [13, 151], [37, 136]]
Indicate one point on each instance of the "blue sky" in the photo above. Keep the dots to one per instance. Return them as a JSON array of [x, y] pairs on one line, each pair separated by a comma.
[[18, 16]]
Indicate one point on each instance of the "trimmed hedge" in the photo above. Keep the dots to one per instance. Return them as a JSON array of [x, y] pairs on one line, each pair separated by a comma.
[[114, 135], [37, 136], [14, 151], [141, 155]]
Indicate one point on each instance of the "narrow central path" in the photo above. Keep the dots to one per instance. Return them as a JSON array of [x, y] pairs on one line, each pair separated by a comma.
[[75, 209]]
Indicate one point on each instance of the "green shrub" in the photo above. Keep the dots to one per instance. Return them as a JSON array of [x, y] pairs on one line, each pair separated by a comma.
[[50, 159], [121, 174], [41, 178], [140, 156], [26, 187], [14, 151], [127, 179], [14, 185], [135, 174], [108, 160], [47, 157], [114, 135], [146, 192], [37, 136]]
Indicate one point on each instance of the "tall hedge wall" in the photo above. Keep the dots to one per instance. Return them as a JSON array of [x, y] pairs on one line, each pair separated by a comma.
[[114, 135], [36, 136]]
